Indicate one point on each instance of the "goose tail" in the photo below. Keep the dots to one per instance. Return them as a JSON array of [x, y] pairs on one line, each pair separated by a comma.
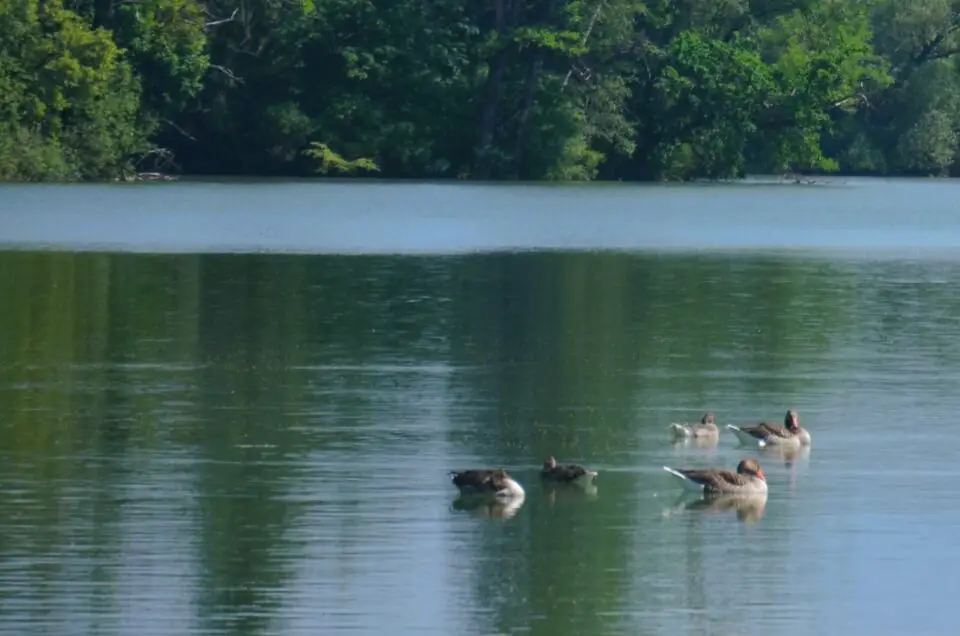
[[679, 430], [743, 436], [586, 478], [688, 483]]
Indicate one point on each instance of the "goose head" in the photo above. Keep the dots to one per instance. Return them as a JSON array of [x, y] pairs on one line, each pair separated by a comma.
[[791, 420], [750, 467]]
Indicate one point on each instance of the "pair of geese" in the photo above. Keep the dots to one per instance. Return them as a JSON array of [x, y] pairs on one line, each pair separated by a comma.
[[748, 478]]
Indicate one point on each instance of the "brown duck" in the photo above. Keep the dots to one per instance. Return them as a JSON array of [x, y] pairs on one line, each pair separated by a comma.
[[749, 479], [495, 482], [764, 434], [566, 474]]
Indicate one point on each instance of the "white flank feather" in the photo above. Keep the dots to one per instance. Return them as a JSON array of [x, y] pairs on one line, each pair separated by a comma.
[[687, 482], [679, 430], [512, 489], [746, 438]]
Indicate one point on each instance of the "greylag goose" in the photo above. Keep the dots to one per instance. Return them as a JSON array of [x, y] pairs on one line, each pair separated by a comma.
[[748, 480], [765, 434], [567, 473], [705, 430], [494, 482]]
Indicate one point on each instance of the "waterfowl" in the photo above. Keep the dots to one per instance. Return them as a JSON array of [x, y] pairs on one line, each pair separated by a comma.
[[706, 429], [566, 474], [749, 479], [765, 434], [495, 482]]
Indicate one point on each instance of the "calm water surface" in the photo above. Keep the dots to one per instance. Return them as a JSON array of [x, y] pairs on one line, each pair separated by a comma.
[[200, 443]]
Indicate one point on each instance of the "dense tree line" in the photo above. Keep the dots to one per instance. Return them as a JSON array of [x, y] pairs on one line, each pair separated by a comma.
[[492, 89]]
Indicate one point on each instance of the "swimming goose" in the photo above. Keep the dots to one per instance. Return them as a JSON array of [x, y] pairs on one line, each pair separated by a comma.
[[706, 429], [764, 434], [749, 479], [566, 474], [494, 482]]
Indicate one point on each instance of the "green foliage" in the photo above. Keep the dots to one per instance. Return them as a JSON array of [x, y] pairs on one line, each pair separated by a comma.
[[329, 161], [566, 42], [929, 146], [69, 100], [28, 155], [166, 42], [509, 89], [711, 92], [825, 65]]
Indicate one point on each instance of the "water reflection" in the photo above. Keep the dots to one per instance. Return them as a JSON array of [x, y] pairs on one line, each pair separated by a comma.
[[700, 443], [794, 460], [487, 507], [748, 508], [789, 456], [247, 444], [571, 492]]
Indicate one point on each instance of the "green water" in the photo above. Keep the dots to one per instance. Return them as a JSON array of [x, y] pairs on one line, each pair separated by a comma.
[[212, 444]]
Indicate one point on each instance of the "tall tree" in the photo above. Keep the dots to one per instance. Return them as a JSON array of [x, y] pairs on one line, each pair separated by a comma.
[[68, 99]]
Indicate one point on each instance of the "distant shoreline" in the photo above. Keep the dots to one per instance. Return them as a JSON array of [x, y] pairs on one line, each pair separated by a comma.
[[833, 179]]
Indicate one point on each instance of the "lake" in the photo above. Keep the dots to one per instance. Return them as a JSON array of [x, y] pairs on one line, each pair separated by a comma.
[[231, 408]]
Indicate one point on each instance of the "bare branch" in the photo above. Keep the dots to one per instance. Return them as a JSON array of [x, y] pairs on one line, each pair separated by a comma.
[[243, 50], [179, 129], [945, 53], [929, 52], [224, 20], [586, 38], [227, 72], [859, 98], [162, 158], [263, 45]]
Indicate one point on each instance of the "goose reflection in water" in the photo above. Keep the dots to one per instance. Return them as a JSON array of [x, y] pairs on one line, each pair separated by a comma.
[[694, 442], [566, 492], [699, 446], [486, 507], [748, 508], [791, 458]]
